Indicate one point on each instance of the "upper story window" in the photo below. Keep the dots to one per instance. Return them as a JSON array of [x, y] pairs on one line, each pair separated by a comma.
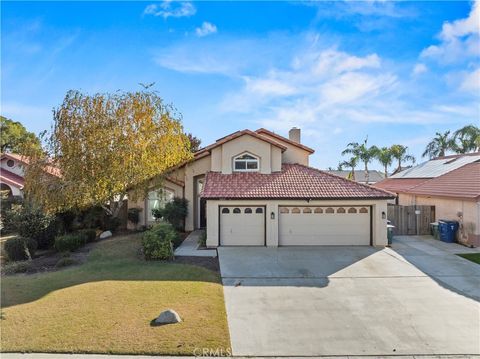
[[245, 163]]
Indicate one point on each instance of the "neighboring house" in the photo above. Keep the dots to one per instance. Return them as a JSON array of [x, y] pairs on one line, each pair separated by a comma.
[[255, 188], [374, 176], [450, 183], [12, 172]]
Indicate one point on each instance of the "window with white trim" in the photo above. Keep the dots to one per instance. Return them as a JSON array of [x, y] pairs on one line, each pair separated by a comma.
[[157, 199], [246, 162]]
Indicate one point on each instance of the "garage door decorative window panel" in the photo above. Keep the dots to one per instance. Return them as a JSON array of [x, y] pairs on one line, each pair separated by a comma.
[[324, 226]]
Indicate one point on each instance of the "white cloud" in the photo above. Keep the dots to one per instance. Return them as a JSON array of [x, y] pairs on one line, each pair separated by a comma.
[[459, 40], [170, 8], [206, 29], [419, 69], [471, 82]]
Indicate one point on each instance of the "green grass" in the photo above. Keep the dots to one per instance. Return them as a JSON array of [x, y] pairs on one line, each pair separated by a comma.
[[106, 305], [473, 257]]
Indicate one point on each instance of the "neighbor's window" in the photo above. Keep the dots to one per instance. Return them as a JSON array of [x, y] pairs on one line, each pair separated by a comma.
[[158, 199], [245, 163]]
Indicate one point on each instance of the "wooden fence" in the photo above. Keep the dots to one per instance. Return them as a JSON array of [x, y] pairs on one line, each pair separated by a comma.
[[411, 220]]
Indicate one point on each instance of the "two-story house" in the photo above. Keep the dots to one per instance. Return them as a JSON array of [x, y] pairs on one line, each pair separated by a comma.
[[256, 188]]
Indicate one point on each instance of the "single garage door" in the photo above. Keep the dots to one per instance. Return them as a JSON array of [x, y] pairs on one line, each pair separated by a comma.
[[313, 226], [242, 226]]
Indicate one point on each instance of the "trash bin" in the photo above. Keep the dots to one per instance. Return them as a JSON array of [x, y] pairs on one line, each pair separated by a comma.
[[434, 230], [390, 233], [447, 230]]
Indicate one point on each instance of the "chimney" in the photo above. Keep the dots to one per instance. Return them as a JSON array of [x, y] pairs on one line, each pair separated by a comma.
[[294, 134]]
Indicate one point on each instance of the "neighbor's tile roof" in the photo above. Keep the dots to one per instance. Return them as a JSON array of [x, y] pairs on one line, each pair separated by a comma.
[[438, 166], [54, 171], [463, 182], [293, 182], [11, 178], [398, 185], [373, 175]]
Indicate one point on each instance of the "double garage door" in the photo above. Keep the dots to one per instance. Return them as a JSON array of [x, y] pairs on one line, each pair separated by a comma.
[[298, 226]]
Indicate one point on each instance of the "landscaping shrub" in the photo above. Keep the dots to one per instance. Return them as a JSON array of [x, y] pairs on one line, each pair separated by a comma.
[[65, 262], [16, 267], [157, 242], [133, 215], [202, 240], [91, 217], [111, 223], [89, 234], [174, 212], [19, 248], [65, 221], [32, 222], [70, 242]]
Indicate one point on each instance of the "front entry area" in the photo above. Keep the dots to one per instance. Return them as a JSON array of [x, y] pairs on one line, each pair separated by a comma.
[[242, 225], [316, 225]]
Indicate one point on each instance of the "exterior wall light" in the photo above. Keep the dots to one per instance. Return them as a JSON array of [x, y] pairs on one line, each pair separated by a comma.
[[384, 216], [272, 215]]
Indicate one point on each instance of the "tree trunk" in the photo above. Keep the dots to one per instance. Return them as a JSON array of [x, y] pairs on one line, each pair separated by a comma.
[[385, 171], [366, 173], [353, 173]]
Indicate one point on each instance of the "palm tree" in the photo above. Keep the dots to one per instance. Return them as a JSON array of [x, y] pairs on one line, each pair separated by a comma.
[[385, 157], [362, 152], [439, 145], [351, 163], [399, 153], [467, 139]]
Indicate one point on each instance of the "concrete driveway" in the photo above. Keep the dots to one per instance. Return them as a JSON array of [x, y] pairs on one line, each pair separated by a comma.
[[417, 297]]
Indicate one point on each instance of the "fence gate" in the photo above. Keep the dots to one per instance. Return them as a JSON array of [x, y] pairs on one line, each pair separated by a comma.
[[411, 220]]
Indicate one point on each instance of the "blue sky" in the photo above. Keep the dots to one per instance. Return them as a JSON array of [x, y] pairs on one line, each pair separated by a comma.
[[395, 71]]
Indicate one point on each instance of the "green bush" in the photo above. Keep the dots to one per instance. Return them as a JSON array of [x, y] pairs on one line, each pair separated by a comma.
[[16, 267], [92, 217], [32, 222], [202, 240], [65, 221], [133, 215], [65, 262], [174, 212], [89, 234], [19, 248], [157, 242], [70, 242]]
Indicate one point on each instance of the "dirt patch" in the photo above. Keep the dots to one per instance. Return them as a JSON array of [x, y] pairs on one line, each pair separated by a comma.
[[205, 262]]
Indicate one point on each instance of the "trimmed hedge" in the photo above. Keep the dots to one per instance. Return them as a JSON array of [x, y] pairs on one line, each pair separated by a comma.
[[157, 242], [70, 242], [20, 248]]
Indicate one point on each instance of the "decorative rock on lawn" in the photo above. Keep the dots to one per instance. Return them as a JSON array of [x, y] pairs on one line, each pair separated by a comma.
[[167, 317], [105, 234]]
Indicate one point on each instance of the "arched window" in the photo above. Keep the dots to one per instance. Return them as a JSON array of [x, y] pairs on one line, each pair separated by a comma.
[[237, 210], [225, 211], [248, 210], [157, 199], [246, 163], [341, 210], [307, 210], [318, 210], [329, 210], [5, 190], [259, 210], [284, 210], [352, 210], [295, 210], [363, 210], [10, 163]]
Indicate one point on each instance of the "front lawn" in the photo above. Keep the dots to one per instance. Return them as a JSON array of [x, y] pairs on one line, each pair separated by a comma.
[[474, 257], [106, 305]]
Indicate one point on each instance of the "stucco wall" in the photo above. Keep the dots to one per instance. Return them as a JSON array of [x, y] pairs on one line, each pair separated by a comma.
[[15, 190], [292, 154], [379, 225], [17, 167]]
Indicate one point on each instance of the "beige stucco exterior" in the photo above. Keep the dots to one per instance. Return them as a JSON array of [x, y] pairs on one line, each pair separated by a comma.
[[271, 156], [450, 208], [379, 229], [17, 169]]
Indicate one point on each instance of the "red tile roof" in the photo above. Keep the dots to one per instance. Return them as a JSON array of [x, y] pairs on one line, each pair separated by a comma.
[[54, 171], [284, 139], [464, 182], [398, 185], [293, 182], [11, 178]]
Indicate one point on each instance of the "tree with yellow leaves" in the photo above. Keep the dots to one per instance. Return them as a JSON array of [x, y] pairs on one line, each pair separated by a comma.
[[106, 145]]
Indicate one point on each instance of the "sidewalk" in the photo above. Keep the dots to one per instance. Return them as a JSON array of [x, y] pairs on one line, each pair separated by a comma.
[[189, 247]]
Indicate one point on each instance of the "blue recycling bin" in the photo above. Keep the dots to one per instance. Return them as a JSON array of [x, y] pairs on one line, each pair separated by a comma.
[[447, 230]]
